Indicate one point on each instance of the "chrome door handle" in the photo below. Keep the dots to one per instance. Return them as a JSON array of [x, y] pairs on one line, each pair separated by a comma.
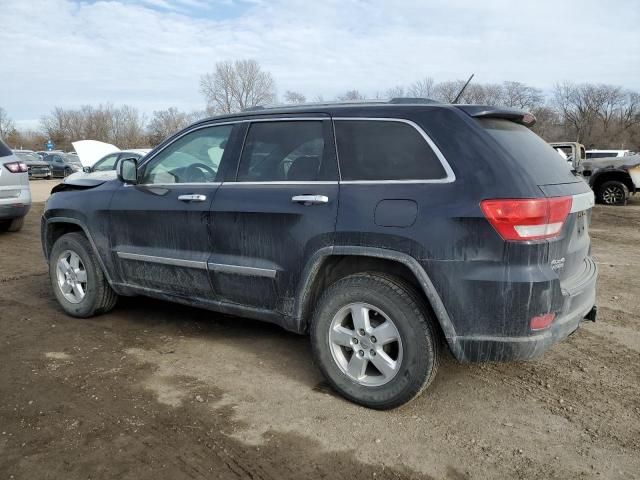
[[310, 199], [194, 197]]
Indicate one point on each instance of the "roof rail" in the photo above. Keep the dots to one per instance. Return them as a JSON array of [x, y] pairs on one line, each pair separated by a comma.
[[396, 101]]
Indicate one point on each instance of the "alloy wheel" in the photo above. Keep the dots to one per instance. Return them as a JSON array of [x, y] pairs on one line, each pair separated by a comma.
[[72, 276], [365, 344]]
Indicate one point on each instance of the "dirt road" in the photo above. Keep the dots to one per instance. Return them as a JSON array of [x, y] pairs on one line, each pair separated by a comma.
[[154, 390]]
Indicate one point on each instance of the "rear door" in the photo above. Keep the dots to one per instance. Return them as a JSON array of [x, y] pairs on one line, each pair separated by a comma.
[[568, 253], [159, 229], [277, 210]]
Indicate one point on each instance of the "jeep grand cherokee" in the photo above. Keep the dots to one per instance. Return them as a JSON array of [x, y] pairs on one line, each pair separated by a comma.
[[386, 231]]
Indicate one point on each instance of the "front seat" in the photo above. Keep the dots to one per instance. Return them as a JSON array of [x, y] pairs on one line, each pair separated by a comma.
[[304, 168]]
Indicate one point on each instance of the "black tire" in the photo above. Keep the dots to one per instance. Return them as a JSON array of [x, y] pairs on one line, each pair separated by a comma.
[[613, 192], [99, 297], [421, 343], [16, 224], [67, 172]]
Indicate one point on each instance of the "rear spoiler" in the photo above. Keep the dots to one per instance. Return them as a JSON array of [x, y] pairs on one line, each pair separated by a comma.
[[484, 111]]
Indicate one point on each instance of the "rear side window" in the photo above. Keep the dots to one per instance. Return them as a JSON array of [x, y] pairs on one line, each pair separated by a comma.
[[4, 150], [293, 151], [536, 157], [385, 150]]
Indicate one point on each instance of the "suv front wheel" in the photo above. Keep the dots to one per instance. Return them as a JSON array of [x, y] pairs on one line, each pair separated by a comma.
[[374, 340], [77, 279]]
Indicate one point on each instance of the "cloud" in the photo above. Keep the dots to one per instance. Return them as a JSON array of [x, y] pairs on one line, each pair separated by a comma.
[[151, 53]]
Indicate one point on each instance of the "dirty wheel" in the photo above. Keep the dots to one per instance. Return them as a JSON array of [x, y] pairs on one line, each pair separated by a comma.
[[374, 341], [77, 279], [613, 193]]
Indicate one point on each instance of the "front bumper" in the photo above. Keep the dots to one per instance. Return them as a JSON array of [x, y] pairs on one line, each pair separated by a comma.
[[579, 303]]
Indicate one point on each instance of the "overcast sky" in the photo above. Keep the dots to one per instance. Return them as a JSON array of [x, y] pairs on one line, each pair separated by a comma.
[[151, 53]]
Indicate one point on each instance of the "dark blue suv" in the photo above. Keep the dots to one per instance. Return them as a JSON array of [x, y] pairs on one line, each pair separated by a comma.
[[386, 231]]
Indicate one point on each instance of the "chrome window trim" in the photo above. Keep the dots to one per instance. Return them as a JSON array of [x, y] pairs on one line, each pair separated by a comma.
[[285, 182], [242, 270], [178, 262], [449, 178]]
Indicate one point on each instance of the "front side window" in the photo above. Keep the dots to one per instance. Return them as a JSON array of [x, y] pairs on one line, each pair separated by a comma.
[[384, 150], [291, 151], [107, 163], [193, 158]]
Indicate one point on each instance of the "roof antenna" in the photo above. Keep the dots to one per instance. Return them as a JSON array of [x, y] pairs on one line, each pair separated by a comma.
[[463, 89]]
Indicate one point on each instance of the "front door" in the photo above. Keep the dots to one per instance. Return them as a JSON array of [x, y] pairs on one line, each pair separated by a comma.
[[159, 228], [280, 209]]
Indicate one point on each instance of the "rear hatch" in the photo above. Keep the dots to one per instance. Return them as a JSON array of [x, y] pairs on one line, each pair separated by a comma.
[[568, 252]]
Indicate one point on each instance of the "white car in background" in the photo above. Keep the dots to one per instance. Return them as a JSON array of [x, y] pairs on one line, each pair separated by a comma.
[[607, 153], [15, 195]]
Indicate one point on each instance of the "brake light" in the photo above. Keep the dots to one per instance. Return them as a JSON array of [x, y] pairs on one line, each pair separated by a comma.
[[540, 322], [16, 167], [527, 218]]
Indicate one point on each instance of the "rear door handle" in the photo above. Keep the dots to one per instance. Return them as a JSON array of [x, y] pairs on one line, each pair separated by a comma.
[[194, 197], [310, 199]]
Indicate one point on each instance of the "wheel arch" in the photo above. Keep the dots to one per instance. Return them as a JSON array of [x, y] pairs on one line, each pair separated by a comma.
[[53, 228], [603, 176], [331, 263]]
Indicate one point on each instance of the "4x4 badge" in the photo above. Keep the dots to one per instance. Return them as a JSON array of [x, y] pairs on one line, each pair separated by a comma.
[[557, 264]]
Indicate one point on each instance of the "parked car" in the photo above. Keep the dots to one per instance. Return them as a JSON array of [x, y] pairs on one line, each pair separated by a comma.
[[15, 196], [379, 229], [109, 162], [63, 164], [607, 153], [37, 168]]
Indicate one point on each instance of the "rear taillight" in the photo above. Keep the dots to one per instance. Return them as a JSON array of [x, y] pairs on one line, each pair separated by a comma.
[[540, 322], [16, 167], [527, 218]]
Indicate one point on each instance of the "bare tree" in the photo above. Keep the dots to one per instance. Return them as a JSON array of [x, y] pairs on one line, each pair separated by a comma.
[[395, 92], [236, 86], [6, 124], [519, 95], [166, 122], [579, 106], [351, 95], [424, 88], [294, 97]]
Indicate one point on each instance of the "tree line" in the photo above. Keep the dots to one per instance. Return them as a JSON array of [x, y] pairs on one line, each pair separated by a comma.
[[598, 115]]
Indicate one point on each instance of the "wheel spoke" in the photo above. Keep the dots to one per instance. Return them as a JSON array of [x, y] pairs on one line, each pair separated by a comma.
[[385, 333], [341, 336], [75, 261], [360, 316], [78, 291], [384, 364], [65, 287], [357, 366], [81, 276], [64, 265]]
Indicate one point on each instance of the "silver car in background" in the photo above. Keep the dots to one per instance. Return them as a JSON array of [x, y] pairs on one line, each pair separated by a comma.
[[15, 196]]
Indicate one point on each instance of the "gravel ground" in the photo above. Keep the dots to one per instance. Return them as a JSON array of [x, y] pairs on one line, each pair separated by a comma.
[[154, 390]]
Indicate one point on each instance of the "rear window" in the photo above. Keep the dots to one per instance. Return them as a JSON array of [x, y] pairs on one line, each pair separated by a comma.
[[536, 157], [385, 150], [4, 150], [601, 154]]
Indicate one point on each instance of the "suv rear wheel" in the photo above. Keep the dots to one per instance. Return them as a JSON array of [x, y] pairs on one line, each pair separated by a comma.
[[613, 192], [374, 340], [77, 279]]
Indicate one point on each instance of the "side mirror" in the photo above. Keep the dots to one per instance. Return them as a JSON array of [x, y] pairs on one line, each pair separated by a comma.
[[128, 171], [87, 169]]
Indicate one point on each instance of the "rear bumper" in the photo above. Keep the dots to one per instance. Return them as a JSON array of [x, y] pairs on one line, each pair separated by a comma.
[[578, 303], [8, 212]]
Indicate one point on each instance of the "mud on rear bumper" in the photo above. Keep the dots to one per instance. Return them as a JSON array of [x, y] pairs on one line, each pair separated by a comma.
[[579, 303]]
